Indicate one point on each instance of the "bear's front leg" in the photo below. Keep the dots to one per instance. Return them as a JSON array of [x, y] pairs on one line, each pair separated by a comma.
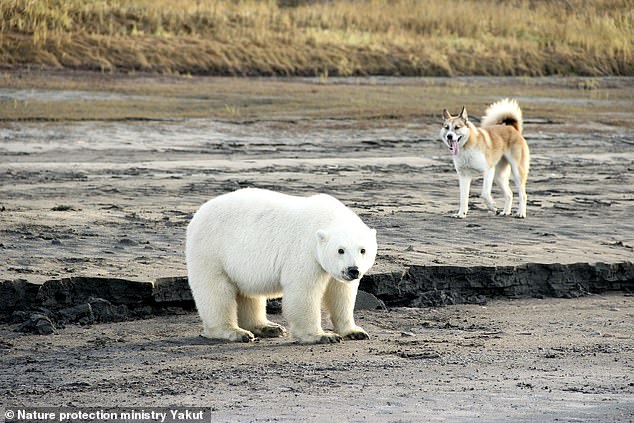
[[301, 306], [215, 297], [339, 300]]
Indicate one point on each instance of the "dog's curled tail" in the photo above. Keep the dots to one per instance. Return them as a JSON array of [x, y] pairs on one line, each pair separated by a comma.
[[505, 112]]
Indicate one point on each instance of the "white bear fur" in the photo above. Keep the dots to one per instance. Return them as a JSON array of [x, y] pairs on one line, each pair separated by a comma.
[[253, 244]]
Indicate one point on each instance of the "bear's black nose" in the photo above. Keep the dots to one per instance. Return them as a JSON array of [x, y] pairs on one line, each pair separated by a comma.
[[449, 136], [353, 272]]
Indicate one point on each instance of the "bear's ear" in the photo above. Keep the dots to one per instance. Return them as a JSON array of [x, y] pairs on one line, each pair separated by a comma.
[[445, 114], [322, 235]]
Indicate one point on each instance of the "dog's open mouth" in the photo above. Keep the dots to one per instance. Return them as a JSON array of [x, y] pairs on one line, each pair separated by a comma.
[[454, 147]]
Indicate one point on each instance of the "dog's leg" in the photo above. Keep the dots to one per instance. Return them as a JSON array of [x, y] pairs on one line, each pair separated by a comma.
[[486, 189], [465, 185], [502, 174], [521, 211], [519, 177]]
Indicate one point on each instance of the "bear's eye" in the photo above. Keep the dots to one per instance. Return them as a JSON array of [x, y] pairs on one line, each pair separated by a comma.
[[363, 251], [446, 126], [457, 127], [341, 251]]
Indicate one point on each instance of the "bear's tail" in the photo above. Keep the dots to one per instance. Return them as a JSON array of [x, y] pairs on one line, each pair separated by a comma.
[[505, 112]]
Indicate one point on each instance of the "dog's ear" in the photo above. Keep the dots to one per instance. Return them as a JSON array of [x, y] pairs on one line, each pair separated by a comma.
[[463, 114], [445, 114]]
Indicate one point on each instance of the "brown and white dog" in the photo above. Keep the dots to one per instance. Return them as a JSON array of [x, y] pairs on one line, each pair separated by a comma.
[[496, 150]]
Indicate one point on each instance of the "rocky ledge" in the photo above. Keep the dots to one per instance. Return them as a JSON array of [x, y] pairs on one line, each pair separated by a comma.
[[425, 286], [44, 308]]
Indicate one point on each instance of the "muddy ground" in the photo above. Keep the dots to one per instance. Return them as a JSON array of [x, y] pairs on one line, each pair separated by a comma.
[[521, 361], [99, 176]]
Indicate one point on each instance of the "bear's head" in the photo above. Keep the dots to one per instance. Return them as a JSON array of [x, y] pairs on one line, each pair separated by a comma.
[[346, 253]]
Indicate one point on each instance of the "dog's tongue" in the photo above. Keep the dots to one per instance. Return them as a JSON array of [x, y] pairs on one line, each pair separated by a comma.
[[454, 147]]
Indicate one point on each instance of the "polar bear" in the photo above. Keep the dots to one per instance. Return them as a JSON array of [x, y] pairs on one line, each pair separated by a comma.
[[253, 244]]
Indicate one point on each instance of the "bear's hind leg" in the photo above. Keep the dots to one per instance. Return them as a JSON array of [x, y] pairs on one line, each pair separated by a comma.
[[215, 298], [252, 316]]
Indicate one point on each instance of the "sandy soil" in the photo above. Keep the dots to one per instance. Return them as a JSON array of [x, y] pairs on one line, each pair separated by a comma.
[[112, 197], [522, 361]]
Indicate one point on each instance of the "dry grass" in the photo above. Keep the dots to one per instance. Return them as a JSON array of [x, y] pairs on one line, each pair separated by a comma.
[[346, 37]]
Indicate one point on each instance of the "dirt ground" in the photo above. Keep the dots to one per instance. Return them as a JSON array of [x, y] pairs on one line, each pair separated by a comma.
[[521, 360], [99, 177]]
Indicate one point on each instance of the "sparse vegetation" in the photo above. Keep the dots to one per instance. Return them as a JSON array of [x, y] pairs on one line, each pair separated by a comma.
[[317, 38]]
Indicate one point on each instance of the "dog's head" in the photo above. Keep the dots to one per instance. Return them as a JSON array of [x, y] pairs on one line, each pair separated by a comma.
[[455, 130]]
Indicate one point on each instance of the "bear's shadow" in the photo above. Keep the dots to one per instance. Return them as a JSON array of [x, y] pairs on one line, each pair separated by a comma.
[[192, 341]]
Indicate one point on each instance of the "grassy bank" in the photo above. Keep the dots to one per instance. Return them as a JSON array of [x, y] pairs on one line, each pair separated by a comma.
[[322, 38]]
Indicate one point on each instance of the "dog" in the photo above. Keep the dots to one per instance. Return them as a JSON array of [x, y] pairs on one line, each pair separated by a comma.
[[495, 150]]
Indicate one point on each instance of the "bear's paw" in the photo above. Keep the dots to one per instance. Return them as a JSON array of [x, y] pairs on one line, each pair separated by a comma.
[[232, 335], [245, 337], [271, 330], [329, 338], [356, 334]]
